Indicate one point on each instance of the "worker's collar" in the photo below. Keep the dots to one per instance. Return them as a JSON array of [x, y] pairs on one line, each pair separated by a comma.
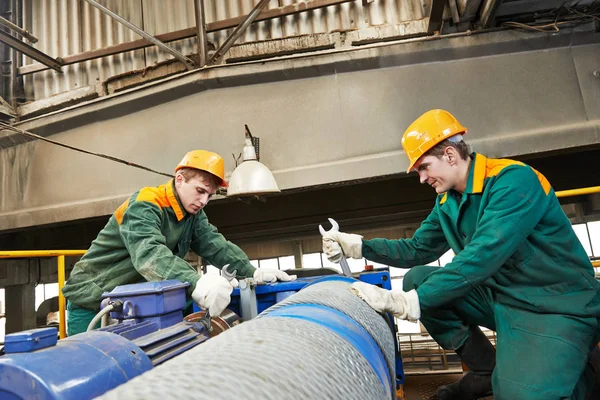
[[174, 201], [476, 177], [477, 173]]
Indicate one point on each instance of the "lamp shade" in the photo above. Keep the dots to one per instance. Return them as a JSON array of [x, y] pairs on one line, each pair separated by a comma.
[[251, 178]]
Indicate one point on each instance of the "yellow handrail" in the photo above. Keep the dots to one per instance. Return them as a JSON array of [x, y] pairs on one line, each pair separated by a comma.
[[595, 264], [60, 262], [577, 192]]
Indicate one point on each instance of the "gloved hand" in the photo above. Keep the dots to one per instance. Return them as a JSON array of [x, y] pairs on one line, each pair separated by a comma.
[[272, 275], [336, 242], [404, 305], [213, 292]]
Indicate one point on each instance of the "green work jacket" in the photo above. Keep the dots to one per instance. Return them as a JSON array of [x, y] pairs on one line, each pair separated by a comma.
[[509, 233], [145, 240]]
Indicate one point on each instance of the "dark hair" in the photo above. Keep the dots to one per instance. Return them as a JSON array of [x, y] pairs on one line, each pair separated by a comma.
[[190, 173], [462, 148]]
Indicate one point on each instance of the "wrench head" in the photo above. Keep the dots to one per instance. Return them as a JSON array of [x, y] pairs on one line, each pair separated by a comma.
[[334, 227], [228, 275]]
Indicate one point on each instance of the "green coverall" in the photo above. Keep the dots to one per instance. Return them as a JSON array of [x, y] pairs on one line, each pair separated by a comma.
[[146, 240], [519, 269]]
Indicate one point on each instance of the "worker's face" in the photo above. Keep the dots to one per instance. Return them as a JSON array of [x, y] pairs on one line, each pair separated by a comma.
[[439, 172], [195, 193]]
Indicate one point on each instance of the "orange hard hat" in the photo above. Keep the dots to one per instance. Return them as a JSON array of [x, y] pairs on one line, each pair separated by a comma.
[[204, 161], [428, 130]]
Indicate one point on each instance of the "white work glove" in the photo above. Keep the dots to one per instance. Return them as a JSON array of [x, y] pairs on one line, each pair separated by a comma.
[[335, 242], [404, 305], [213, 292], [271, 275]]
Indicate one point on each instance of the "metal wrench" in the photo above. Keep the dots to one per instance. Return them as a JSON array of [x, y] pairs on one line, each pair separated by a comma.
[[343, 262], [205, 320]]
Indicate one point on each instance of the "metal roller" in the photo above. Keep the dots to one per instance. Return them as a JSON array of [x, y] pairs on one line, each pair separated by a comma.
[[322, 342]]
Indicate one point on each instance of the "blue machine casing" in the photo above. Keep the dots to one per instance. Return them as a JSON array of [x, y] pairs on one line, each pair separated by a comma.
[[30, 340], [149, 298], [80, 367]]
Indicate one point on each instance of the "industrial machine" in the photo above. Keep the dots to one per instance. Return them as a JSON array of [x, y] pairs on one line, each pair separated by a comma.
[[312, 336]]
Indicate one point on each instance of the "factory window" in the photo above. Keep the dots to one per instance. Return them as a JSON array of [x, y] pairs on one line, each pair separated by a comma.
[[287, 262], [45, 292], [269, 263], [594, 229], [444, 259], [312, 260], [589, 236], [582, 232]]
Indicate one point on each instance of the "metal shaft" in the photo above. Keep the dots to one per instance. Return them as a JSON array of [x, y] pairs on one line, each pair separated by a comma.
[[30, 51], [18, 29], [345, 266], [189, 63], [201, 28], [237, 32]]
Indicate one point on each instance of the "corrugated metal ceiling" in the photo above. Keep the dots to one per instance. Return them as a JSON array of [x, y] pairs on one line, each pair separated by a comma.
[[67, 27]]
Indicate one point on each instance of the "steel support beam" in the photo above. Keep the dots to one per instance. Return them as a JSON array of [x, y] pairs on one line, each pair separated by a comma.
[[189, 63], [216, 26], [30, 51], [454, 11], [436, 14], [237, 32], [468, 14], [201, 32], [18, 29], [488, 13]]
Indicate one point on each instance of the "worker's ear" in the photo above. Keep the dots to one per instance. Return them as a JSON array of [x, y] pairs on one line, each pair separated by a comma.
[[179, 179], [450, 155]]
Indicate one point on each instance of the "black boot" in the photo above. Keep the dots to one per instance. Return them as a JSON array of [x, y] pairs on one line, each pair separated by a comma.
[[479, 356]]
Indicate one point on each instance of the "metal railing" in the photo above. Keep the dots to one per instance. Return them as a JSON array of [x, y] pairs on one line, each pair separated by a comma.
[[60, 262]]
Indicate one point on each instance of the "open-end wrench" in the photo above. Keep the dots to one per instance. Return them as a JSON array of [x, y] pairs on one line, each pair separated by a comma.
[[343, 262], [205, 320]]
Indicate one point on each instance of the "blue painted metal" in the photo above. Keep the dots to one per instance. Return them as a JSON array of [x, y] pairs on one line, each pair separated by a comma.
[[164, 344], [147, 299], [268, 294], [383, 279], [33, 339], [345, 327], [380, 278], [90, 364]]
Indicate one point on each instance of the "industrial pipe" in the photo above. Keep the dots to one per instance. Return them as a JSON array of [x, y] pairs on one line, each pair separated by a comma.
[[320, 343]]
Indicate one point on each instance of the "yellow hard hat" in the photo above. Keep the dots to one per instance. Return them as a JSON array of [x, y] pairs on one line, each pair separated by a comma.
[[204, 161], [428, 130]]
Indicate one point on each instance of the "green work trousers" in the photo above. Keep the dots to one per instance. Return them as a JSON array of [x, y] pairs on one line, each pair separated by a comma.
[[538, 356], [78, 319]]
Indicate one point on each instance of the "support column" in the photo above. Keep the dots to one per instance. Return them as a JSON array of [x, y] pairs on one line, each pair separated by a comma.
[[20, 307], [298, 254]]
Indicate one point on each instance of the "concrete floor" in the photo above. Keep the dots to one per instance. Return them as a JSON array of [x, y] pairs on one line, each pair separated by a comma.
[[422, 387]]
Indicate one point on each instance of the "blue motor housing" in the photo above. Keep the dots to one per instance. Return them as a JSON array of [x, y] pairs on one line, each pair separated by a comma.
[[79, 367], [150, 331]]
